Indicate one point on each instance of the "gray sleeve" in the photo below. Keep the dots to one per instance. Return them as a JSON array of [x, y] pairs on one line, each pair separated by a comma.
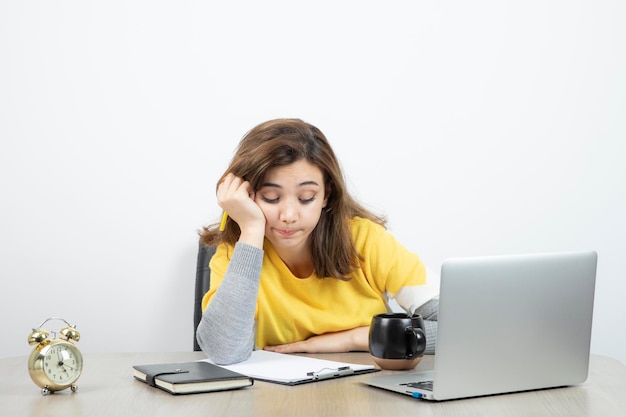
[[226, 332], [429, 311], [431, 336]]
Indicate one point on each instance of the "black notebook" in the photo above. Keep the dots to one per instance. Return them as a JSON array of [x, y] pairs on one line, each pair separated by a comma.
[[190, 377]]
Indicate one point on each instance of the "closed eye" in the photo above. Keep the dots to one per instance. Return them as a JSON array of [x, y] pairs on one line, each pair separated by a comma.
[[270, 200], [277, 199]]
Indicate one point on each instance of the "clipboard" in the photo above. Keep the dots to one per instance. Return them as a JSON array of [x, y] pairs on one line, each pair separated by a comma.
[[287, 369]]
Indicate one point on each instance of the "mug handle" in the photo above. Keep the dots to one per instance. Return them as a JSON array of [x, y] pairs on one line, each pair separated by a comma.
[[416, 339]]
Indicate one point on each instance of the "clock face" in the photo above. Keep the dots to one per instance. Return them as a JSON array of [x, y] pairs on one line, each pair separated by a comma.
[[62, 364]]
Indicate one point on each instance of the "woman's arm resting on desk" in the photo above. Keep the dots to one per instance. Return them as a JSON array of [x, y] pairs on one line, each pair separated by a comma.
[[348, 340]]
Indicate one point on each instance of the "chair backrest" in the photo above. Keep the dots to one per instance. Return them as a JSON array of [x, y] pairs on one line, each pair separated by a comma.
[[203, 283]]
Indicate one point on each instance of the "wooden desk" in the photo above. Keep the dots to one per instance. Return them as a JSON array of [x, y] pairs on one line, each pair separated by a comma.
[[107, 388]]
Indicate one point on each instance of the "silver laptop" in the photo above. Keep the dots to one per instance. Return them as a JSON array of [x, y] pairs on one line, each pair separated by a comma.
[[507, 324]]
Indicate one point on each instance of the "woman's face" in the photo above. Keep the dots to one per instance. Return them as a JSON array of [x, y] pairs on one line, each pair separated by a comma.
[[291, 198]]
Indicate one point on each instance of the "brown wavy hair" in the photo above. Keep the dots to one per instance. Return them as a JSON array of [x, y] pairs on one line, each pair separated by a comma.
[[282, 142]]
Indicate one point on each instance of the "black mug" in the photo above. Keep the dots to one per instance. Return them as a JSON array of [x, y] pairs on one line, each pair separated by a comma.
[[396, 340]]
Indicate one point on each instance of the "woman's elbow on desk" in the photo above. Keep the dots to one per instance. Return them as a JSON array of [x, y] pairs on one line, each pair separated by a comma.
[[221, 352], [224, 356]]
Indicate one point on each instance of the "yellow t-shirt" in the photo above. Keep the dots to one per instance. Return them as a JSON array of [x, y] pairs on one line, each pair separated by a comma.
[[291, 309]]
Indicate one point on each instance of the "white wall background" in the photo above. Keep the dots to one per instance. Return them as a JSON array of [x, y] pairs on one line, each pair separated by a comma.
[[479, 127]]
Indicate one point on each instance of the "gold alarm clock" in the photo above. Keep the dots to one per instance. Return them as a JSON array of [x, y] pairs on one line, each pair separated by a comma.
[[56, 364]]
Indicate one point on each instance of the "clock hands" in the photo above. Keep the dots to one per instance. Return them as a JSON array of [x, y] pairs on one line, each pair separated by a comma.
[[62, 356], [65, 366]]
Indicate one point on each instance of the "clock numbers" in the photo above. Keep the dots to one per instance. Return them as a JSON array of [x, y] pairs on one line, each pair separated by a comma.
[[60, 364]]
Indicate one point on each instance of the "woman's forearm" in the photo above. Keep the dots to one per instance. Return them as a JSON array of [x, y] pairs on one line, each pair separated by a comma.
[[226, 331], [356, 339]]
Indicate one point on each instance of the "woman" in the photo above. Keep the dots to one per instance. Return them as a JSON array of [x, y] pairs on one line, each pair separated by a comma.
[[300, 265]]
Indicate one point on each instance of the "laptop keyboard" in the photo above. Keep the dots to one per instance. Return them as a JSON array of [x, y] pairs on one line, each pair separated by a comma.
[[425, 385]]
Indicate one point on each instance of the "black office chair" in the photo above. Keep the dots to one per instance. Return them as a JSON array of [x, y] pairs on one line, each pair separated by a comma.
[[203, 283]]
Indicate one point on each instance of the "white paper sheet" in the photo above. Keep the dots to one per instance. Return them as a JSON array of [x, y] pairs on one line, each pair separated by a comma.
[[293, 369]]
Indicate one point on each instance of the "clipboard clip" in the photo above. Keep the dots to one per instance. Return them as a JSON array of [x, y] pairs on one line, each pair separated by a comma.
[[326, 373]]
